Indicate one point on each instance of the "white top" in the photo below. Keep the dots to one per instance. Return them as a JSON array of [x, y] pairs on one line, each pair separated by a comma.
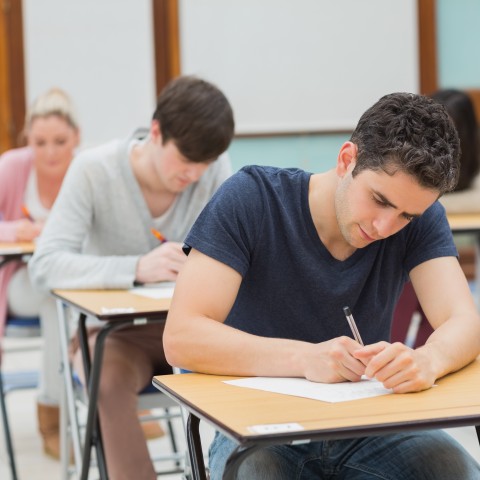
[[32, 200]]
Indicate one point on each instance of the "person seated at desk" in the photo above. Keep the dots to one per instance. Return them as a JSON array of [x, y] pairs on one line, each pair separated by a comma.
[[30, 179], [99, 236], [286, 250], [465, 198]]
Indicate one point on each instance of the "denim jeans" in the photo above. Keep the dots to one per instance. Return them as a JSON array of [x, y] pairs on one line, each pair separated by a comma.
[[425, 455]]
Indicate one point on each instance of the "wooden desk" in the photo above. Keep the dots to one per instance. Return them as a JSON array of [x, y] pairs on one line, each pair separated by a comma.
[[94, 303], [464, 222], [232, 410], [10, 251], [118, 309]]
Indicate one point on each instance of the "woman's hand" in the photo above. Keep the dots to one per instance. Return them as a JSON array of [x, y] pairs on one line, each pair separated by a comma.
[[26, 230]]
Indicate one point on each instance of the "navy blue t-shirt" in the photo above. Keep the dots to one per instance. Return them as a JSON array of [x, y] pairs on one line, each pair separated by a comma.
[[259, 223]]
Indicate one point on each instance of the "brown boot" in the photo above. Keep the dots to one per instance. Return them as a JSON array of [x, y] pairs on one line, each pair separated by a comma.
[[49, 426], [151, 429]]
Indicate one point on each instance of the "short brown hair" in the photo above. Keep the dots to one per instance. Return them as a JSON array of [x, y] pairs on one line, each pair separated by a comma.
[[196, 116]]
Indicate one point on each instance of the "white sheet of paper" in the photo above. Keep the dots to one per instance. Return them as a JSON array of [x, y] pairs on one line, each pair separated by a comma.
[[327, 392], [155, 290]]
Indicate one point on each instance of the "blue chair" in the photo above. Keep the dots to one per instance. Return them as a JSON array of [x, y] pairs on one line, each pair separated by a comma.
[[17, 328]]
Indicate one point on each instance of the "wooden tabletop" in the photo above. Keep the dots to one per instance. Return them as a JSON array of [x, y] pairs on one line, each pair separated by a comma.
[[15, 248], [454, 402], [464, 222], [113, 304]]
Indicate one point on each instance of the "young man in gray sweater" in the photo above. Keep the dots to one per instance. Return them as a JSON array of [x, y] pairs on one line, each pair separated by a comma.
[[99, 236]]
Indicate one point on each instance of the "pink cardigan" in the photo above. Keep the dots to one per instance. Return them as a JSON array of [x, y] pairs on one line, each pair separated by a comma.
[[15, 167]]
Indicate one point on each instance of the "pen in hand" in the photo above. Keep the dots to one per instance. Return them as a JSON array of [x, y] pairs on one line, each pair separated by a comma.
[[158, 235], [353, 325], [26, 213]]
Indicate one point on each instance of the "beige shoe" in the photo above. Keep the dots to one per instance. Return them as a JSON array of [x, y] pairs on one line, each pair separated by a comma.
[[49, 426], [151, 429]]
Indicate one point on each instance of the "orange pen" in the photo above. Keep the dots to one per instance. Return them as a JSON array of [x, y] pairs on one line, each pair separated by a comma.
[[159, 236], [26, 212]]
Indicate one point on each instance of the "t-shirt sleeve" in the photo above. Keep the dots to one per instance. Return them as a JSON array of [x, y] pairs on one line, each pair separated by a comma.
[[429, 237], [229, 225]]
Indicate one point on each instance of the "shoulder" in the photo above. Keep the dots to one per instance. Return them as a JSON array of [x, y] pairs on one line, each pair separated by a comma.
[[433, 220], [17, 158], [94, 160], [271, 177], [98, 153]]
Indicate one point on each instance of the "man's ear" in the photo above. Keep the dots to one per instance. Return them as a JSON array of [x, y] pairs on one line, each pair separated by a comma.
[[155, 131], [347, 158]]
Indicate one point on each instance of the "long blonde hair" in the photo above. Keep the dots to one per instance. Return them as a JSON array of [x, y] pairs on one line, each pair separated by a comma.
[[53, 102]]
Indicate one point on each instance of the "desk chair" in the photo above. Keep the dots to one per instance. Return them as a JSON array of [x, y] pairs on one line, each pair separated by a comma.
[[20, 379], [73, 413]]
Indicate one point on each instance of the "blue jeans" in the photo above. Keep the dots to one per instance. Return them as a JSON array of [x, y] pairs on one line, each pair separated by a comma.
[[425, 455]]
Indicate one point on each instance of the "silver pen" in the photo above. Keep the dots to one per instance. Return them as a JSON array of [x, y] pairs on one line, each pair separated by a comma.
[[353, 325]]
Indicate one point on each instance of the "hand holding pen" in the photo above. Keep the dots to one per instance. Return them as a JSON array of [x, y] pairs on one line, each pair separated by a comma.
[[158, 235], [27, 229], [26, 213], [353, 325], [162, 263]]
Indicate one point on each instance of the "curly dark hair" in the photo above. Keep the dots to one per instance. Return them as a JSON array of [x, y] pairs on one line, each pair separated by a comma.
[[409, 133]]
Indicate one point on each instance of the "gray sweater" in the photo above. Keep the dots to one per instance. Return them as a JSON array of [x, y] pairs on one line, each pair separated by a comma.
[[100, 224]]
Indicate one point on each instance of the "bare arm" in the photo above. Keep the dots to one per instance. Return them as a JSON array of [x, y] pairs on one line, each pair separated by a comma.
[[196, 338], [443, 292]]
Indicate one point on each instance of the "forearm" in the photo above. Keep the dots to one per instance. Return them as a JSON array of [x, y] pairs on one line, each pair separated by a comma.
[[207, 346], [51, 270], [453, 344]]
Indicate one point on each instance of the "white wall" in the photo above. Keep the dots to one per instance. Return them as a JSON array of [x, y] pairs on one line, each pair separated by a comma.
[[301, 65], [101, 53], [285, 65]]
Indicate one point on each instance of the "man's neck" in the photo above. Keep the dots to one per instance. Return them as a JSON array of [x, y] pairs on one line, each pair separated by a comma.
[[322, 207]]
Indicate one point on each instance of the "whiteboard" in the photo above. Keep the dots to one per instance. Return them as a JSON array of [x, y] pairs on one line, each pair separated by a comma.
[[301, 65]]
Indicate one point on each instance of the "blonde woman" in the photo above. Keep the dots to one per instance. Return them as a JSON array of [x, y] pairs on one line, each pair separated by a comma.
[[30, 179]]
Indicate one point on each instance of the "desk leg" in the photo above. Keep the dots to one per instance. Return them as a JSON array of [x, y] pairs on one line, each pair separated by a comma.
[[92, 429], [6, 428], [92, 373], [195, 448], [68, 415]]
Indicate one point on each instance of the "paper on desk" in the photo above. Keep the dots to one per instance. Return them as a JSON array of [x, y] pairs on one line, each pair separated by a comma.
[[327, 392], [155, 290]]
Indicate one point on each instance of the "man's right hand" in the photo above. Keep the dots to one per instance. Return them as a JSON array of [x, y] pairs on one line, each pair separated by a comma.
[[333, 361], [161, 264]]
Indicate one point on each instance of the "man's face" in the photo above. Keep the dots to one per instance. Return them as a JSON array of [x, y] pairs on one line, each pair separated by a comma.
[[176, 171], [374, 205]]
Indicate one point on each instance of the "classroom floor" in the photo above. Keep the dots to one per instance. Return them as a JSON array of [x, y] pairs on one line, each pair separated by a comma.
[[33, 464]]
